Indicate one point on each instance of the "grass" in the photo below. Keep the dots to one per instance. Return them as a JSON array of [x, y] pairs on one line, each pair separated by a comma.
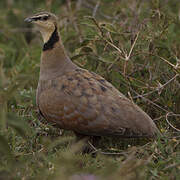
[[135, 45]]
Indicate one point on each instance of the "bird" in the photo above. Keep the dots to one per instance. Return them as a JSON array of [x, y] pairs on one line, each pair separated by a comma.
[[76, 99]]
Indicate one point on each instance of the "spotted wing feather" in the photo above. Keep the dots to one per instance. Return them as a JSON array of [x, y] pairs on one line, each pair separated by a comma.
[[87, 104]]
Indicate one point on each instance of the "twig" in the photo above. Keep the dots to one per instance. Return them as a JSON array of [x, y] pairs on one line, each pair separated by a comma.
[[111, 44], [113, 153], [102, 35], [170, 123], [110, 66], [132, 47], [96, 23], [156, 119], [72, 19], [145, 99], [175, 67], [173, 137], [149, 101], [130, 97], [89, 6], [105, 153], [157, 89], [78, 4], [93, 147], [129, 55], [172, 65], [172, 114], [96, 8], [172, 166]]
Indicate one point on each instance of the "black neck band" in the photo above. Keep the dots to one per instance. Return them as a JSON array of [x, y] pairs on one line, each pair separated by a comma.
[[53, 39]]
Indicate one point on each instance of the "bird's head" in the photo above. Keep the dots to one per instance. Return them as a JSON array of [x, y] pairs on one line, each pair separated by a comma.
[[45, 22]]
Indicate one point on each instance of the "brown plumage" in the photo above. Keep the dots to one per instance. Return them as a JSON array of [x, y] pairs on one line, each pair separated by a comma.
[[82, 101]]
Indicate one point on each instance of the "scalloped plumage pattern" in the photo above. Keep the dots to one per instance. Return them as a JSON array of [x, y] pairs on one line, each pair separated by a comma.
[[87, 104]]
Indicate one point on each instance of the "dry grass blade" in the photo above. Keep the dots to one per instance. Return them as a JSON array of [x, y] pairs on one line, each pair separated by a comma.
[[171, 114]]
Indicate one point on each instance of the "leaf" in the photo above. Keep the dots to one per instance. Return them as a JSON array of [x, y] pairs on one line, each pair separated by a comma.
[[109, 27], [4, 147], [18, 124]]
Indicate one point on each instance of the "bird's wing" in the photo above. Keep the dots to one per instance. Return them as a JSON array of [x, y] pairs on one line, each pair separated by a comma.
[[86, 103]]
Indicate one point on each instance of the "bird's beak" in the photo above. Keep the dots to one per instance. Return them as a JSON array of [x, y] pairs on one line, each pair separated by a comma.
[[29, 20]]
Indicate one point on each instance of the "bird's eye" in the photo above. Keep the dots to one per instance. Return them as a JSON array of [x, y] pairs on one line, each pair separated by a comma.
[[44, 18]]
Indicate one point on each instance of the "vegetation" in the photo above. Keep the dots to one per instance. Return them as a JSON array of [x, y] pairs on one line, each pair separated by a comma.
[[135, 45]]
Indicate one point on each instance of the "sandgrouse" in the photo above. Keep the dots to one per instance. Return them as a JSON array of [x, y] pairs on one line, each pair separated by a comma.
[[76, 99]]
